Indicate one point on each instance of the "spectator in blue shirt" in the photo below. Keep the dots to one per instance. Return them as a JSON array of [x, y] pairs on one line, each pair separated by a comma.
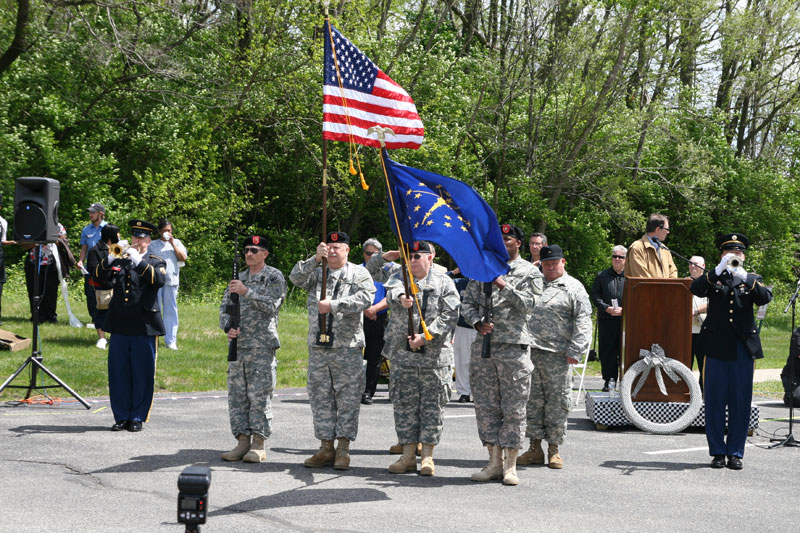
[[374, 326], [90, 236]]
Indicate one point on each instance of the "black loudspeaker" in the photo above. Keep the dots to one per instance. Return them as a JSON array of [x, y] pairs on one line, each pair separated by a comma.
[[36, 210]]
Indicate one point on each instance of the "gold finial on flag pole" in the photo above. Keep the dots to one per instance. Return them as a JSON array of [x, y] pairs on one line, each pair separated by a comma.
[[381, 133]]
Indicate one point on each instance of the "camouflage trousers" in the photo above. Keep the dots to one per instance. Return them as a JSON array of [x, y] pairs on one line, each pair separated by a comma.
[[251, 381], [335, 383], [549, 402], [419, 396], [500, 387]]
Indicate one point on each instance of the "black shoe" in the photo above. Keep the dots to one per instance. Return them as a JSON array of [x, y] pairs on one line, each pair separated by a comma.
[[734, 463], [605, 386], [134, 426], [464, 398], [120, 426], [366, 398], [718, 461]]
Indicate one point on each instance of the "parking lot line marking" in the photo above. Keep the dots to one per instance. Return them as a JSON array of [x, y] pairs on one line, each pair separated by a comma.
[[682, 450], [784, 419], [460, 416], [100, 409]]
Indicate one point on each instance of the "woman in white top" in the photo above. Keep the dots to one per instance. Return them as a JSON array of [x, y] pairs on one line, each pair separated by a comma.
[[174, 253], [699, 309]]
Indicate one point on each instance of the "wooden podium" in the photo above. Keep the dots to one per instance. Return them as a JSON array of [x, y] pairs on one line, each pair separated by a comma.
[[657, 311]]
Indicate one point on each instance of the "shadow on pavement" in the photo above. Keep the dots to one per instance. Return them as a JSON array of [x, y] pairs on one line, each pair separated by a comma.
[[631, 467], [303, 496], [30, 430]]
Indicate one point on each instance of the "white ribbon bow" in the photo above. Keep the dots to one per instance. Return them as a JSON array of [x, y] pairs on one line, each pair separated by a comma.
[[655, 359]]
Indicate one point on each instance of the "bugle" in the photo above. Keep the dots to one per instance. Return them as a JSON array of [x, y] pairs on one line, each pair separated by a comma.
[[119, 249]]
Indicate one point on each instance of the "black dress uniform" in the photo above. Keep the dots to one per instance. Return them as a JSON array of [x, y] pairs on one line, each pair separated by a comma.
[[134, 320], [729, 339]]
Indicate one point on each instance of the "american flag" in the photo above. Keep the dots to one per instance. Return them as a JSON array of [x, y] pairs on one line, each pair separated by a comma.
[[360, 96]]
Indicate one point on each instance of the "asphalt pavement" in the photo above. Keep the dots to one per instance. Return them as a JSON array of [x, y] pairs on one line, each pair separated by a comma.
[[63, 470]]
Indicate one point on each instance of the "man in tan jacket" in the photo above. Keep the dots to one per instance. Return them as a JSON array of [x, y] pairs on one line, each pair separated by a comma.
[[647, 257]]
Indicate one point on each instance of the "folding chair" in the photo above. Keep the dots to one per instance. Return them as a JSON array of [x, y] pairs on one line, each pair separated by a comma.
[[579, 371]]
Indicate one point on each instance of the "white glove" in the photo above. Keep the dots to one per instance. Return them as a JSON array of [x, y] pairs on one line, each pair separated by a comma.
[[134, 256], [723, 264], [739, 275], [111, 259]]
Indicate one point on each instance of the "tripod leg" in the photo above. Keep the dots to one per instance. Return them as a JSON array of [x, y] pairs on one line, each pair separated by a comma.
[[63, 385], [15, 374]]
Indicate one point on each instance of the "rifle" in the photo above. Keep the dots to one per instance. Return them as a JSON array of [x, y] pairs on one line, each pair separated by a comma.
[[486, 348], [233, 308]]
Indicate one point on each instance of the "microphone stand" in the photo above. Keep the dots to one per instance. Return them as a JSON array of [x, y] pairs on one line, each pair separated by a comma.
[[673, 252], [789, 440]]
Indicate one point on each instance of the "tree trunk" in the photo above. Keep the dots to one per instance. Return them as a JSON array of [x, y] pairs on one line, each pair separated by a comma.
[[17, 46]]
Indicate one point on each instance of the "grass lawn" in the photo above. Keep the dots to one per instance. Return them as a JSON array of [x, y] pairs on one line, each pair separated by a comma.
[[200, 364]]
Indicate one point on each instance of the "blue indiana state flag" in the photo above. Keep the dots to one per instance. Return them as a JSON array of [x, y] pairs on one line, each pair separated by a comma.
[[450, 213]]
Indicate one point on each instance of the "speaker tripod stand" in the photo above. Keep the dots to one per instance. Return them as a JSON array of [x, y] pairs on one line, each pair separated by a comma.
[[789, 439], [35, 359]]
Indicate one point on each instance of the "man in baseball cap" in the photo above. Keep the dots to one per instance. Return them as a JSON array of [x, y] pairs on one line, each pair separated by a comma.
[[90, 236]]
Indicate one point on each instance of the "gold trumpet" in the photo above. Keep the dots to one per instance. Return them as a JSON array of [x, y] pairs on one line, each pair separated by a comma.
[[119, 250]]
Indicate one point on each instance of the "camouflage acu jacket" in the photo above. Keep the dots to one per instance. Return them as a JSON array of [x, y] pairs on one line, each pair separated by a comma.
[[562, 319], [440, 300], [511, 307], [258, 308], [350, 290]]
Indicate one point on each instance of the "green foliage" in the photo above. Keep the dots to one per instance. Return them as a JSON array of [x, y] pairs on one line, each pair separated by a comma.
[[579, 120]]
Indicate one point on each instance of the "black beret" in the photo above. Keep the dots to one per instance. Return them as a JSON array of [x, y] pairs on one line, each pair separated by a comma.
[[338, 237], [732, 241], [421, 246], [553, 251], [511, 229], [140, 228], [259, 241]]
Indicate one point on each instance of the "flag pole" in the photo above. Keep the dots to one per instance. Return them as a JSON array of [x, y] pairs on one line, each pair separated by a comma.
[[323, 334], [404, 249]]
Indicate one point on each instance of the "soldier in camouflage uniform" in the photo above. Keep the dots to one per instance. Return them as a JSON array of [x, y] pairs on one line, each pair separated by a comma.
[[500, 384], [421, 376], [261, 289], [381, 267], [561, 327], [335, 374]]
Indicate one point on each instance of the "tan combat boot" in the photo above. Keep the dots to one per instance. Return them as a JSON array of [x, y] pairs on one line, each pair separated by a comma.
[[510, 466], [342, 461], [494, 470], [324, 456], [257, 453], [241, 448], [407, 462], [534, 455], [427, 466], [397, 449], [553, 458]]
